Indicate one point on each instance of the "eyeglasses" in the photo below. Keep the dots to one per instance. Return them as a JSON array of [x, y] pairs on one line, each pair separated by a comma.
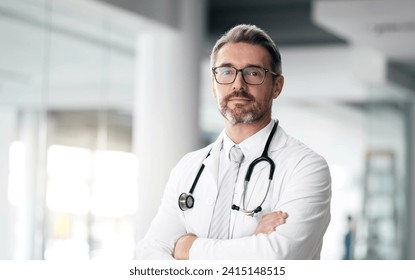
[[253, 75]]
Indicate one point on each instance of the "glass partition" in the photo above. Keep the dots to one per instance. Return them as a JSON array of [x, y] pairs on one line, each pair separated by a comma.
[[66, 91], [382, 227]]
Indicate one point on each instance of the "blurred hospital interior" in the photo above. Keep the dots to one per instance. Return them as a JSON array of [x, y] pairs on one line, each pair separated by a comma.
[[99, 99]]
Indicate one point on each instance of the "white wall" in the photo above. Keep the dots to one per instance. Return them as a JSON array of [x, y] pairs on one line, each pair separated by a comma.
[[7, 129]]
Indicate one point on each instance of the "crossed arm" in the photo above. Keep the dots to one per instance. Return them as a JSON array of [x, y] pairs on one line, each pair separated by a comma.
[[267, 225]]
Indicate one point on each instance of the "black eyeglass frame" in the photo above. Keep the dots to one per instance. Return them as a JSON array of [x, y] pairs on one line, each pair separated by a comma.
[[243, 77]]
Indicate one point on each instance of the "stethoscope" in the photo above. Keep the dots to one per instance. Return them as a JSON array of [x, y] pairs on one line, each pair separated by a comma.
[[187, 201]]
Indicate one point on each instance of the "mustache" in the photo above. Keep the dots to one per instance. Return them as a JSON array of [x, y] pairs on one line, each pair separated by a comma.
[[240, 93]]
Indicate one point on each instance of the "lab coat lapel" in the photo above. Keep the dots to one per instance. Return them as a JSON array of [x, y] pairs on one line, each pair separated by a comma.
[[277, 142], [209, 187], [212, 162]]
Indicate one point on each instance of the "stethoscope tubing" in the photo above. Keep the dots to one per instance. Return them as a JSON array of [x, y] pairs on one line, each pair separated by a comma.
[[264, 157]]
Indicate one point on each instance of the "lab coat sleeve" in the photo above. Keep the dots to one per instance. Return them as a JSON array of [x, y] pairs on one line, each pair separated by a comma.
[[306, 198], [166, 227]]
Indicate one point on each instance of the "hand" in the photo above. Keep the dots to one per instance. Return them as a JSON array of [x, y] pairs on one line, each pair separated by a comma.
[[270, 221], [183, 245]]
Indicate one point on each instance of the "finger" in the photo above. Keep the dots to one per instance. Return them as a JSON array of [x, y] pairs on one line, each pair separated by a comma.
[[274, 218], [273, 215], [278, 222], [282, 214]]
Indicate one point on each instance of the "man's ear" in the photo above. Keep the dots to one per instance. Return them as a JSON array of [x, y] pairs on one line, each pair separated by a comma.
[[278, 85], [213, 92]]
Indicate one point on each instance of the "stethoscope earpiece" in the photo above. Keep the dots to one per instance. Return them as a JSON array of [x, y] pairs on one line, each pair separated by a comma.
[[186, 201]]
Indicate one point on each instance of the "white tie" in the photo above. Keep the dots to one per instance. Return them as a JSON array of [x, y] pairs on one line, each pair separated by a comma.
[[219, 226]]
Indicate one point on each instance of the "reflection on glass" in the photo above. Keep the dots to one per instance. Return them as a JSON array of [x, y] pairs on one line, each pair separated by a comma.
[[114, 191], [17, 166], [68, 175], [91, 197]]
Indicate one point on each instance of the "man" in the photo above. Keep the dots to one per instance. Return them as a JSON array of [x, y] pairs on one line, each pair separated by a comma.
[[226, 217]]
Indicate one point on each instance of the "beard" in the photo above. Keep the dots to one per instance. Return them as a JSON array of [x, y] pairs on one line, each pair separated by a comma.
[[241, 113]]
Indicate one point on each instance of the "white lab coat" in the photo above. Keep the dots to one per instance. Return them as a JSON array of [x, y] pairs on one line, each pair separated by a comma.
[[301, 187]]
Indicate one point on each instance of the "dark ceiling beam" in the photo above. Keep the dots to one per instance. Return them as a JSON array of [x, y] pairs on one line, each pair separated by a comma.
[[402, 73], [288, 23]]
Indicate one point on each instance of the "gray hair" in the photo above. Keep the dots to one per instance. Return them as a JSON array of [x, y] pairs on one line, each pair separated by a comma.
[[253, 35]]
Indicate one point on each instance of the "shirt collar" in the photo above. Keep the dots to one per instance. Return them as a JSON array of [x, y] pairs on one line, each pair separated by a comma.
[[227, 145], [249, 146]]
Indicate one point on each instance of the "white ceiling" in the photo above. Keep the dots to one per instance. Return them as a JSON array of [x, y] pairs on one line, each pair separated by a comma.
[[386, 25]]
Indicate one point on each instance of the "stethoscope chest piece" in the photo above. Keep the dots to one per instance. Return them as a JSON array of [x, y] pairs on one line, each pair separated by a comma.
[[186, 201]]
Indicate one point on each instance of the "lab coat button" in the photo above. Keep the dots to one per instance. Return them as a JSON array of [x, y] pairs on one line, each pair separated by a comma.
[[209, 201]]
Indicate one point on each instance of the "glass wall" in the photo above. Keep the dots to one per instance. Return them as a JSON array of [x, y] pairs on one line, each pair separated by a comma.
[[68, 172], [382, 228]]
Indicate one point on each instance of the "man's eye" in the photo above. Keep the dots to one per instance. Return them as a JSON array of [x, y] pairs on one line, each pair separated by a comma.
[[253, 73], [225, 72]]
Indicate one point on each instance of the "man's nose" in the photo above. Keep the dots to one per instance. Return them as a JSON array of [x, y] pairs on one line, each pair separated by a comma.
[[239, 82]]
